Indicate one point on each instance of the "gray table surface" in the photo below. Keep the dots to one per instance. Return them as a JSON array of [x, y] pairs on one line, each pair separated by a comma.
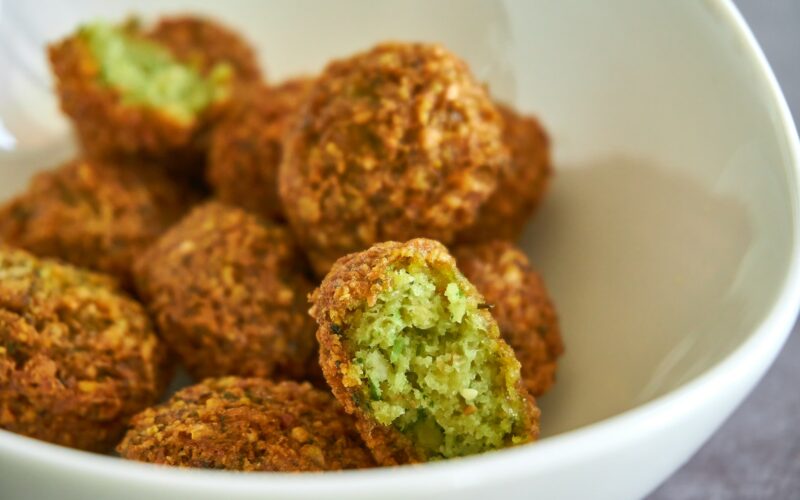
[[756, 454]]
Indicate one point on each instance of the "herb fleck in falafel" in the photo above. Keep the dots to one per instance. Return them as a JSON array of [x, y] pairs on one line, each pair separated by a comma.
[[152, 94], [228, 294], [246, 146], [247, 425], [521, 306], [521, 188], [94, 214], [409, 349], [394, 143], [77, 356]]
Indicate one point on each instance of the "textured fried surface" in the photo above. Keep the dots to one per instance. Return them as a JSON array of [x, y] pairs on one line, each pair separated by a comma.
[[77, 356], [394, 143], [94, 214], [247, 425], [521, 188], [106, 126], [204, 43], [227, 292], [354, 283], [246, 147], [522, 307]]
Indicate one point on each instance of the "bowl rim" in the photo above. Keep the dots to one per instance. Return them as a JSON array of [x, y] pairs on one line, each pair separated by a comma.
[[750, 358]]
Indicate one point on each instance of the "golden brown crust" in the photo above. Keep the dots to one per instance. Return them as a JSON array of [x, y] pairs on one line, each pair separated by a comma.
[[246, 146], [108, 128], [94, 214], [521, 188], [204, 43], [77, 356], [354, 281], [247, 425], [227, 292], [394, 143], [522, 307]]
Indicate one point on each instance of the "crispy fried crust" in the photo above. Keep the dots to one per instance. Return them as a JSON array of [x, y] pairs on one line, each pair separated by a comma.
[[94, 214], [228, 293], [108, 128], [522, 307], [355, 281], [246, 147], [77, 356], [394, 143], [247, 425], [521, 188], [204, 43]]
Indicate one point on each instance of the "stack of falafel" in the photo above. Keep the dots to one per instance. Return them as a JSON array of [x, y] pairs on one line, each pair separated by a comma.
[[208, 208]]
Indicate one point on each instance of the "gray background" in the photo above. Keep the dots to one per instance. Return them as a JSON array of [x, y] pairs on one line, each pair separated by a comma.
[[756, 454]]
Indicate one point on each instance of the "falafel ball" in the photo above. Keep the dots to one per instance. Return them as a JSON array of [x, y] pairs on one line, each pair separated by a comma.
[[410, 350], [77, 356], [521, 188], [228, 294], [94, 214], [521, 305], [130, 92], [246, 146], [247, 425], [394, 143]]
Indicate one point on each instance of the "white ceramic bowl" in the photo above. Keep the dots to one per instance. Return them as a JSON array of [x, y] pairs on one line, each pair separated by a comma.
[[669, 240]]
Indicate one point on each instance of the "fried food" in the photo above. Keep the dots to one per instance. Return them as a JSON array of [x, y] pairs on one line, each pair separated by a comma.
[[247, 425], [394, 143], [228, 294], [521, 188], [523, 310], [77, 356], [246, 146], [409, 348], [205, 44], [133, 92], [94, 214]]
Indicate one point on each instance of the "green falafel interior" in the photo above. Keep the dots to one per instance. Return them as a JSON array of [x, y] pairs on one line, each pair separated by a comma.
[[145, 73], [432, 366]]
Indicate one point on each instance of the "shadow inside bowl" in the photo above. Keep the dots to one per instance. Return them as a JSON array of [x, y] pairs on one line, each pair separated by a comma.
[[642, 264]]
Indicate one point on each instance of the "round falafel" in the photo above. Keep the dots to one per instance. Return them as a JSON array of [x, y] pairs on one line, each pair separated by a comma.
[[520, 304], [410, 350], [94, 214], [521, 188], [247, 425], [228, 294], [77, 356], [394, 143], [132, 92], [246, 147]]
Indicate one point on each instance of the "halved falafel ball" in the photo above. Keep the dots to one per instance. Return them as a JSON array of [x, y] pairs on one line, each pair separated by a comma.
[[228, 294], [246, 147], [247, 425], [520, 304], [521, 188], [94, 214], [77, 356], [130, 92], [394, 143], [410, 350]]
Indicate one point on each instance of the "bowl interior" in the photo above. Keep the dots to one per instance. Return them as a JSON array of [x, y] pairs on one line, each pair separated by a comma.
[[665, 237]]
